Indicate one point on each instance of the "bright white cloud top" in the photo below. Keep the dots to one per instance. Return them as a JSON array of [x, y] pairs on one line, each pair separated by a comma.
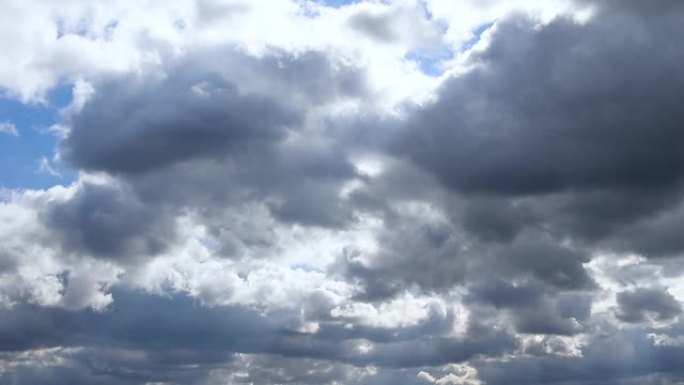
[[294, 192]]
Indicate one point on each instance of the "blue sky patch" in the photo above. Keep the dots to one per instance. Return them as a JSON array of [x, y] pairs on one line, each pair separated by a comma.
[[338, 3], [20, 156], [477, 35], [431, 63]]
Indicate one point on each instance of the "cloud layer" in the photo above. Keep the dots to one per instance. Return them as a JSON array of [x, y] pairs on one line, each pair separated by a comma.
[[280, 192]]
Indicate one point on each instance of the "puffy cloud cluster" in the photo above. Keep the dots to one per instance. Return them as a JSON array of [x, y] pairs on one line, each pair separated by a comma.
[[291, 192]]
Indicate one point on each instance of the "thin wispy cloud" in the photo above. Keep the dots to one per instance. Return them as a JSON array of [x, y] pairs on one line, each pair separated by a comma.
[[8, 128]]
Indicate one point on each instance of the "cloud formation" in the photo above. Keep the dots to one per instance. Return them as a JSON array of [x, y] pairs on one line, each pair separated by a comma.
[[281, 192]]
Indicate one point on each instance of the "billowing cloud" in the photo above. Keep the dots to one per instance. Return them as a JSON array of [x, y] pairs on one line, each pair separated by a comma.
[[297, 192], [637, 305]]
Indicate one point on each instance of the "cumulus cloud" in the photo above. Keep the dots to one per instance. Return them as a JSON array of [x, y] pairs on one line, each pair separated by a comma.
[[273, 192], [637, 305]]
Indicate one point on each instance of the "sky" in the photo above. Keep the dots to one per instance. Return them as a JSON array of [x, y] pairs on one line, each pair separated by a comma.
[[224, 192]]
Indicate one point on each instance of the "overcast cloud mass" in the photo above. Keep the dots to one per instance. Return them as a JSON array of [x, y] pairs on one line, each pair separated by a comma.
[[370, 192]]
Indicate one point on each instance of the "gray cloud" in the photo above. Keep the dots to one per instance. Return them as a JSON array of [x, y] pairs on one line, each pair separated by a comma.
[[534, 308], [562, 142], [378, 26], [144, 337], [218, 128], [546, 111], [637, 305], [214, 105], [627, 357], [110, 222], [549, 134], [183, 115]]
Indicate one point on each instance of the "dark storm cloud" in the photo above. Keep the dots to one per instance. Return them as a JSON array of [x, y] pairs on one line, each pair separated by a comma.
[[201, 109], [505, 295], [552, 318], [59, 375], [298, 183], [641, 304], [546, 110], [144, 337], [545, 142], [221, 129], [563, 140], [553, 264], [643, 221], [109, 222], [601, 213], [137, 125], [533, 307], [141, 338], [656, 237], [437, 256], [614, 359], [494, 219], [429, 255], [565, 129], [138, 320]]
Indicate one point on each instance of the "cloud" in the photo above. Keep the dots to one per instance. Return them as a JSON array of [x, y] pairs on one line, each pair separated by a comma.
[[167, 332], [8, 128], [638, 305], [109, 222], [172, 133], [627, 357], [526, 121], [302, 204]]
